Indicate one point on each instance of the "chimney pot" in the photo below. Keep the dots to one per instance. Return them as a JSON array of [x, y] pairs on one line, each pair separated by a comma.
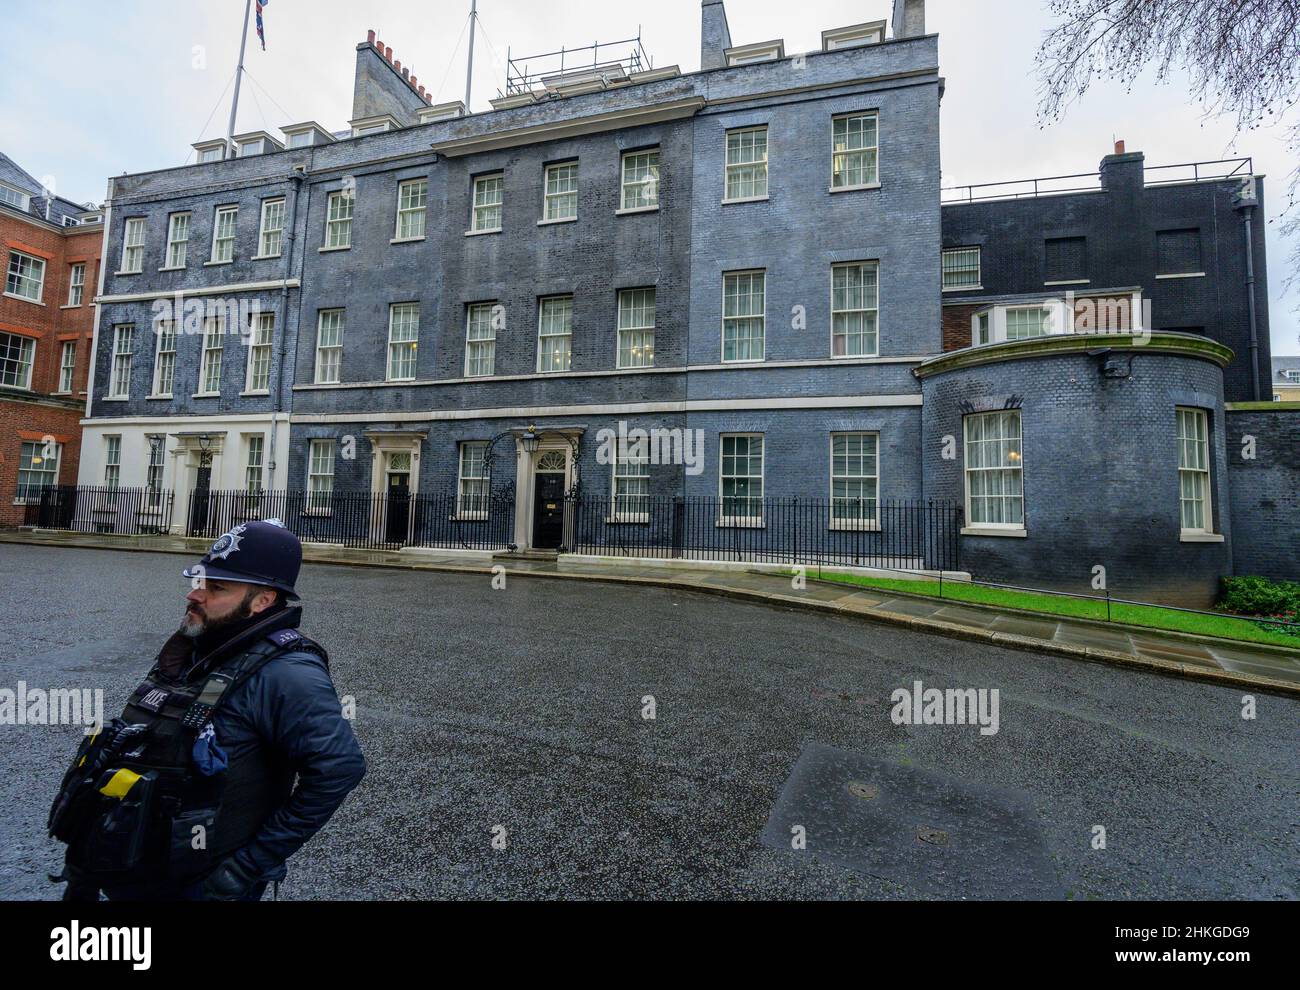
[[379, 47], [421, 91], [388, 53], [370, 37], [397, 64], [1119, 147], [415, 82]]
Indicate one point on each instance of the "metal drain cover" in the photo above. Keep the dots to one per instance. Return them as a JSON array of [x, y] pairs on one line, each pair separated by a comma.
[[930, 832]]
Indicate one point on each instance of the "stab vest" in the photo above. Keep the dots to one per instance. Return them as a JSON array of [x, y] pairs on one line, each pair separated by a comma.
[[135, 808]]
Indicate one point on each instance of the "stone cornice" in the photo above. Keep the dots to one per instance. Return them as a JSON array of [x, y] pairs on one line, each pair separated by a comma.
[[1063, 345], [552, 130]]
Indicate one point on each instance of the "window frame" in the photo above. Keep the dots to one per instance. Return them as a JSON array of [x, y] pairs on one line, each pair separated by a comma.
[[170, 262], [263, 231], [476, 206], [76, 285], [121, 363], [549, 197], [132, 224], [255, 443], [869, 524], [214, 327], [25, 343], [728, 166], [218, 240], [411, 345], [641, 331], [472, 342], [742, 522], [624, 184], [158, 353], [1207, 472], [873, 310], [112, 461], [404, 212], [462, 448], [617, 514], [153, 489], [333, 224], [320, 348], [874, 149], [19, 277], [978, 284], [256, 325], [26, 494], [762, 317], [318, 494], [67, 371], [568, 350], [971, 523]]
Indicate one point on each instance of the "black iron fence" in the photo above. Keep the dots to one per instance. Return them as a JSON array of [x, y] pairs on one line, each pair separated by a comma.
[[123, 511], [892, 534], [889, 534], [364, 520]]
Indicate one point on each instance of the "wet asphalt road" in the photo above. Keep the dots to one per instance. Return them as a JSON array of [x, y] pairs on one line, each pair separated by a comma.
[[522, 708]]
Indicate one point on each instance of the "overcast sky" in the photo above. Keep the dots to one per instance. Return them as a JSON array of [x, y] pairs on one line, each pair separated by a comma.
[[91, 89]]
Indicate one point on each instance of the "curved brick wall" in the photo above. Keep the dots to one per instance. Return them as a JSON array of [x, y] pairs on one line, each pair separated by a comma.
[[1100, 472]]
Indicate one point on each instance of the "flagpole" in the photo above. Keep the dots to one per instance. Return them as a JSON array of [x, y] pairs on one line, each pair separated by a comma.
[[234, 103], [469, 70]]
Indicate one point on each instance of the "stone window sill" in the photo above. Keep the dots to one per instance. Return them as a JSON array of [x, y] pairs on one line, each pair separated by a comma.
[[982, 531], [1192, 537]]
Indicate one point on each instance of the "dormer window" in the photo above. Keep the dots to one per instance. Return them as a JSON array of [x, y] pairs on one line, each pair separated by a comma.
[[256, 143], [15, 197], [441, 111], [306, 134], [764, 51], [853, 36], [374, 125], [210, 151]]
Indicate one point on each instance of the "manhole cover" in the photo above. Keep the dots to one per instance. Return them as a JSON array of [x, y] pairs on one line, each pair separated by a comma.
[[934, 836], [867, 792]]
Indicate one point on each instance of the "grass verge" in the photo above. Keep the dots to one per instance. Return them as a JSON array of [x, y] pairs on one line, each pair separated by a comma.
[[1151, 616]]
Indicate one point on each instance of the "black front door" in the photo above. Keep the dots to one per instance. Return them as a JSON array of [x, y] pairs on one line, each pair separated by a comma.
[[199, 501], [548, 511], [399, 508]]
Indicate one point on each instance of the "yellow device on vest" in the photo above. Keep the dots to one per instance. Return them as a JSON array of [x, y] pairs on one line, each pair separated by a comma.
[[119, 784]]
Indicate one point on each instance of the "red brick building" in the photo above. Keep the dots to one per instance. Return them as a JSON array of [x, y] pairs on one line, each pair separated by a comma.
[[50, 248]]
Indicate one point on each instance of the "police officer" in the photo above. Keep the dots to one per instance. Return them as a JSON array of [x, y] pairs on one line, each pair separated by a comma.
[[190, 794]]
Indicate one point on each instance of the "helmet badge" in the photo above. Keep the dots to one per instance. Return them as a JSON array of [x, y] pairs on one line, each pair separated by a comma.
[[227, 543]]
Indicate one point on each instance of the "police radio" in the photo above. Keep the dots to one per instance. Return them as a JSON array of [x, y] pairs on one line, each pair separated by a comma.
[[201, 709]]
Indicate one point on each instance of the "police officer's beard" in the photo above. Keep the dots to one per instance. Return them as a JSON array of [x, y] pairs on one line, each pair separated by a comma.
[[193, 630]]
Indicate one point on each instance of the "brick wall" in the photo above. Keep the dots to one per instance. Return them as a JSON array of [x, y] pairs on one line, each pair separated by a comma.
[[1100, 473], [1265, 491], [31, 415]]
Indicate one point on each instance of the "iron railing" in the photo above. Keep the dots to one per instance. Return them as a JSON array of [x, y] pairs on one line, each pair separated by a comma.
[[1058, 185], [890, 534], [528, 73], [362, 520], [122, 511]]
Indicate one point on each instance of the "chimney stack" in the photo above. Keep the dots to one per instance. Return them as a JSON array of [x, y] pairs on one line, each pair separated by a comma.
[[909, 18], [715, 36]]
